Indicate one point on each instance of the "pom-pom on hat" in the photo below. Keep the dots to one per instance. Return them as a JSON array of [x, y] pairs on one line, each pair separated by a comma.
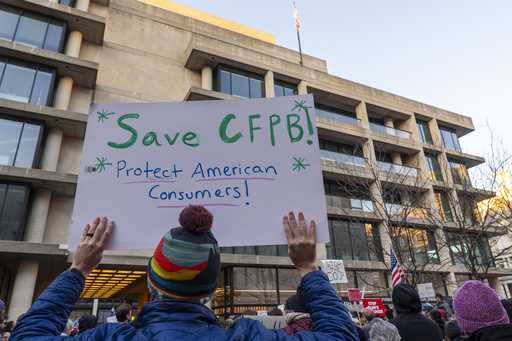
[[186, 262]]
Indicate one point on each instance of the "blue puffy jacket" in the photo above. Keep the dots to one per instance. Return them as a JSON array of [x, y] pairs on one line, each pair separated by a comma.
[[176, 320]]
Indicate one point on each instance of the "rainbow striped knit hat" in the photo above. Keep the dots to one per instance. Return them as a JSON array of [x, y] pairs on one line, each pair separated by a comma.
[[186, 262]]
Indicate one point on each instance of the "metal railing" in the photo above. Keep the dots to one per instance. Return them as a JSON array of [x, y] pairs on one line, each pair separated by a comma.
[[350, 203], [341, 158], [390, 131], [337, 117], [406, 211], [399, 169]]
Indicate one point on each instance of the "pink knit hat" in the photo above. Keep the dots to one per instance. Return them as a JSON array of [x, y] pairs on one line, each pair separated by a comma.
[[476, 306]]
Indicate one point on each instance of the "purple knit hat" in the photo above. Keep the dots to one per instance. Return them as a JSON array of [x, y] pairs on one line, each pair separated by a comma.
[[476, 306]]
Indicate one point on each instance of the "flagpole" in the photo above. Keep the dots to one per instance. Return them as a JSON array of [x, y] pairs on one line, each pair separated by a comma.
[[300, 47], [297, 27]]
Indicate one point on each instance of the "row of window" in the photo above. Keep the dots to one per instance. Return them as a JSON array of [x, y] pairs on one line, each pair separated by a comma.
[[245, 84], [13, 207], [20, 143], [26, 83], [248, 85], [357, 240], [31, 29]]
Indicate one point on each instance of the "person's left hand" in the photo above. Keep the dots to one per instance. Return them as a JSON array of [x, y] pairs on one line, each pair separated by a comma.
[[90, 250]]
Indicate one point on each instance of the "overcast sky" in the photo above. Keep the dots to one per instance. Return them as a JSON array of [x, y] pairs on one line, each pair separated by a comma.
[[453, 54]]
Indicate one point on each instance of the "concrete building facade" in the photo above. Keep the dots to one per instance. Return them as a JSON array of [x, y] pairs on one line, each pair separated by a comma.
[[59, 56]]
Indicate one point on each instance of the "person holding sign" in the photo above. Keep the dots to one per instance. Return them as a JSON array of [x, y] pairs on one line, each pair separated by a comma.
[[182, 276]]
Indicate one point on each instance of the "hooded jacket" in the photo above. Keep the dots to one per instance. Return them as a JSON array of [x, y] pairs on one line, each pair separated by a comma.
[[411, 324], [492, 333], [178, 320]]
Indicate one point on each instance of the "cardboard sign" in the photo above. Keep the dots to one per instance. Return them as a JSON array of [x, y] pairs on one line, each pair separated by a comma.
[[248, 161], [354, 295], [376, 305], [335, 270], [426, 290]]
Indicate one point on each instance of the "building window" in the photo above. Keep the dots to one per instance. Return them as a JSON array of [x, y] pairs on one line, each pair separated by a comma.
[[374, 283], [27, 84], [260, 250], [433, 167], [13, 206], [336, 115], [31, 29], [353, 240], [70, 3], [466, 249], [254, 288], [424, 132], [450, 139], [468, 210], [443, 206], [341, 195], [19, 143], [239, 83], [459, 172], [416, 245], [341, 148], [284, 89]]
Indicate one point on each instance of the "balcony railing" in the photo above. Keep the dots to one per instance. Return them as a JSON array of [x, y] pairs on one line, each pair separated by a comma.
[[350, 203], [399, 169], [344, 159], [407, 212], [390, 131], [333, 117]]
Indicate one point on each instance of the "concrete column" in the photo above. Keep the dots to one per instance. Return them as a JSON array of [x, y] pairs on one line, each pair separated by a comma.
[[388, 122], [63, 93], [207, 78], [451, 283], [302, 88], [434, 131], [362, 115], [74, 44], [95, 306], [23, 289], [51, 150], [36, 221], [494, 282], [82, 5], [269, 85], [396, 158]]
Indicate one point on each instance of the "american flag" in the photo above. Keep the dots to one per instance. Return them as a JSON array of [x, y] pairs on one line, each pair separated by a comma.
[[396, 269], [296, 16]]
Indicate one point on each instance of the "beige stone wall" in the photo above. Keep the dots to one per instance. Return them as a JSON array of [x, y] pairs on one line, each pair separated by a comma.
[[59, 218], [152, 67], [70, 154]]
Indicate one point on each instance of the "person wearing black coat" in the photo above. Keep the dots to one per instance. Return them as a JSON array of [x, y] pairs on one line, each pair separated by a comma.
[[410, 322]]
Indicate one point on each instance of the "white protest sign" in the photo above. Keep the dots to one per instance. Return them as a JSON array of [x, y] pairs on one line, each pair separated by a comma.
[[426, 290], [248, 161], [335, 270]]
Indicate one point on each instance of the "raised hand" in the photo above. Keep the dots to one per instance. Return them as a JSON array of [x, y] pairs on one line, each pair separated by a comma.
[[301, 242], [90, 250]]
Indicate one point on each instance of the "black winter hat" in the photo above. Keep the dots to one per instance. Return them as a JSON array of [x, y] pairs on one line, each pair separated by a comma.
[[406, 299]]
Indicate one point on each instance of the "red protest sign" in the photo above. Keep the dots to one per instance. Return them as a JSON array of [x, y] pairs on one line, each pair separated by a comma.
[[376, 305], [354, 295]]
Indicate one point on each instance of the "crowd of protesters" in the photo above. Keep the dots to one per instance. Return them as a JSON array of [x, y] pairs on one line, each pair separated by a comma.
[[182, 278]]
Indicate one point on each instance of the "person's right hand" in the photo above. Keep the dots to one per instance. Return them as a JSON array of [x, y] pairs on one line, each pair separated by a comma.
[[90, 250], [301, 242]]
